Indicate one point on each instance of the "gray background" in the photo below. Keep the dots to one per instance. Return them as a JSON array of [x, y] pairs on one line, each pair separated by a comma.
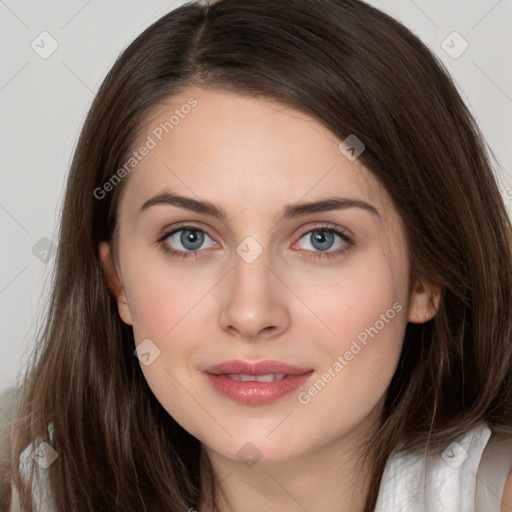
[[43, 102]]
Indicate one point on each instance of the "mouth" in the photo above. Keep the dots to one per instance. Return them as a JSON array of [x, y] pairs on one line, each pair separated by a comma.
[[256, 383]]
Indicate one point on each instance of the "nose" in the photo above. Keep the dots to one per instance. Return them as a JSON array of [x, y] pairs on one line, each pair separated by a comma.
[[254, 301]]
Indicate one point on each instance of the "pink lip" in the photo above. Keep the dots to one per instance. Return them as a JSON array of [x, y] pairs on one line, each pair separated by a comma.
[[255, 393]]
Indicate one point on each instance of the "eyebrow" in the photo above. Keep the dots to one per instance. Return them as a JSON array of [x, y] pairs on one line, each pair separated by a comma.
[[289, 211]]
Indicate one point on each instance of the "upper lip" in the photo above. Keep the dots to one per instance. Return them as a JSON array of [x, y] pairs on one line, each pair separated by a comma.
[[265, 367]]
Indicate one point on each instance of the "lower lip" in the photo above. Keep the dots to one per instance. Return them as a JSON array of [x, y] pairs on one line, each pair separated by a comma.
[[257, 393]]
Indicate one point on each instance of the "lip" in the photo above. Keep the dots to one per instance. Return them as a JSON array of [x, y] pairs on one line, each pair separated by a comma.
[[253, 392]]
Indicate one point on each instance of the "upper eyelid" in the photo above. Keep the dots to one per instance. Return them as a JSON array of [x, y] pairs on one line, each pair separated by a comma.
[[169, 232]]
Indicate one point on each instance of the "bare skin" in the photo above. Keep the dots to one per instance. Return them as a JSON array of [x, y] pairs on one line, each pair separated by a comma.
[[292, 303], [506, 505]]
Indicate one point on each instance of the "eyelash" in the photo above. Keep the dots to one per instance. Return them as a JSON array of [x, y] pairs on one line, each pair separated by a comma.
[[319, 255]]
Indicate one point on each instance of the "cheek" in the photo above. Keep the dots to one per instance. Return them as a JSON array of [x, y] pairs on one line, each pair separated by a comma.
[[164, 310], [364, 310], [161, 296], [354, 302]]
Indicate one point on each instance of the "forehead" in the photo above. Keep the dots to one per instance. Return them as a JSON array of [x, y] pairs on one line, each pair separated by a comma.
[[245, 153]]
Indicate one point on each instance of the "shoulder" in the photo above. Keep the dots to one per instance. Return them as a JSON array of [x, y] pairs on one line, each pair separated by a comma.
[[8, 402], [494, 482], [38, 456], [506, 504], [15, 503], [414, 479]]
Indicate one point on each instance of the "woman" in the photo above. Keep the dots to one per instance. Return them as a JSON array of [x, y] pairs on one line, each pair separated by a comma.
[[342, 318]]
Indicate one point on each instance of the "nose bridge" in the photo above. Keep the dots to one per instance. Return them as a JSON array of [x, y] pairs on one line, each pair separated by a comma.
[[251, 269], [253, 302]]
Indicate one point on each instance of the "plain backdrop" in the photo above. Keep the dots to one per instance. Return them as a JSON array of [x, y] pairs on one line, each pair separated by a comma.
[[44, 99]]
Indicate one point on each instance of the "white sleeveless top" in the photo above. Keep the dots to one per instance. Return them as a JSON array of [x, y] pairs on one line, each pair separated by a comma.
[[415, 483], [410, 483]]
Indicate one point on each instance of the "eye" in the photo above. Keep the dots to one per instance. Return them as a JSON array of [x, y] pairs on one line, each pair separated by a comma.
[[190, 238], [323, 239]]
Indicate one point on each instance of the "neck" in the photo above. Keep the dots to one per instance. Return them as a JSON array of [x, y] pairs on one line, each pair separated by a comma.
[[331, 477]]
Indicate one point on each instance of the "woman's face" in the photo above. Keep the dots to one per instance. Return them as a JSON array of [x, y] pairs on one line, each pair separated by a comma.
[[267, 280]]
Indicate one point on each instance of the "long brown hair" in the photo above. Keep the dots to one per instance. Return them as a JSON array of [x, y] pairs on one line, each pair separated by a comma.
[[360, 72]]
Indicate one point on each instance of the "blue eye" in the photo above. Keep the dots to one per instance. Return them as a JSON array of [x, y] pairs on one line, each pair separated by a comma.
[[192, 238], [322, 239]]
